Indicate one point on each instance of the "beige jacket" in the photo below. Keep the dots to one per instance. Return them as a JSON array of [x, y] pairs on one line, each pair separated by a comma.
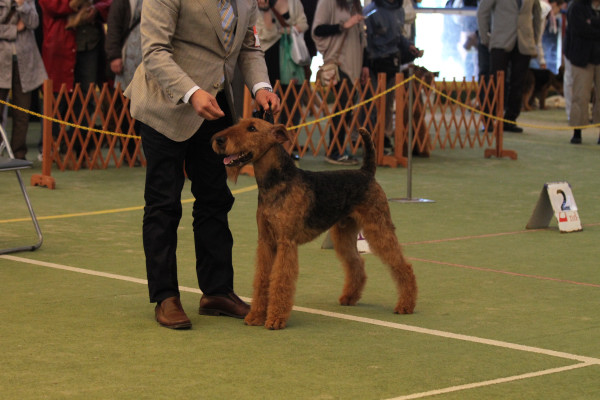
[[348, 51], [182, 46]]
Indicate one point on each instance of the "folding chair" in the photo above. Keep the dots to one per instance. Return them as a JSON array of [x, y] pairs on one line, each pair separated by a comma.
[[11, 164]]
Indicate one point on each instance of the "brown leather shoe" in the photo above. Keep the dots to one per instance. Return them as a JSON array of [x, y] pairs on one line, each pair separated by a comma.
[[169, 313], [223, 304]]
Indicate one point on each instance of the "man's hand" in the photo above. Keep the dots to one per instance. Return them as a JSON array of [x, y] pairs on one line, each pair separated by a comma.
[[116, 66], [268, 101], [206, 105]]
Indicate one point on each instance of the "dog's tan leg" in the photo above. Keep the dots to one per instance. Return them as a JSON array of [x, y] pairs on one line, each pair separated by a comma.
[[344, 236], [265, 255], [283, 285], [379, 232]]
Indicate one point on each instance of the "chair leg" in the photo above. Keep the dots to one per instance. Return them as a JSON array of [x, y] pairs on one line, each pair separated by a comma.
[[9, 166]]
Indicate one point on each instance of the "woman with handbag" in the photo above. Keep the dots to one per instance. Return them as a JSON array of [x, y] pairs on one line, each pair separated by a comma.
[[274, 24], [339, 33]]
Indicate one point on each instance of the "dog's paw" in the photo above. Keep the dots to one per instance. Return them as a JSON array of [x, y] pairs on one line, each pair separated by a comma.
[[254, 319], [275, 323], [404, 309], [348, 300]]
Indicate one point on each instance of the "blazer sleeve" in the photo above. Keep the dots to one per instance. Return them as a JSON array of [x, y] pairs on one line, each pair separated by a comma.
[[158, 24], [484, 16], [251, 59]]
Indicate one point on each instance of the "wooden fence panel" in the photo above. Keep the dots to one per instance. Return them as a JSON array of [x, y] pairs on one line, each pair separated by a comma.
[[93, 129]]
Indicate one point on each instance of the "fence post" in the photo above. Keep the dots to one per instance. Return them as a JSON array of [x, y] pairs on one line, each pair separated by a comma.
[[45, 179], [499, 126]]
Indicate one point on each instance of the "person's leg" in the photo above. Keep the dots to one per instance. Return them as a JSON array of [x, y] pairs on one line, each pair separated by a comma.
[[18, 141], [86, 74], [519, 64], [498, 61], [213, 201], [162, 211], [567, 86], [580, 99]]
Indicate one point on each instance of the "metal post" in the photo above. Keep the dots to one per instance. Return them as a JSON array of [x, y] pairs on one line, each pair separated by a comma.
[[411, 101]]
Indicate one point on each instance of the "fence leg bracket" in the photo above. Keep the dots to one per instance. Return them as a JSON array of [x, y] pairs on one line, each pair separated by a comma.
[[43, 180]]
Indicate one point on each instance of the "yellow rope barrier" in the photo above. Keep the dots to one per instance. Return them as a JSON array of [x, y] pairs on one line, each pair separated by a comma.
[[60, 121], [472, 109], [362, 103]]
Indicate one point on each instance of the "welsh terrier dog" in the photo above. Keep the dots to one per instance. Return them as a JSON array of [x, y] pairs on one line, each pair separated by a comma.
[[295, 206]]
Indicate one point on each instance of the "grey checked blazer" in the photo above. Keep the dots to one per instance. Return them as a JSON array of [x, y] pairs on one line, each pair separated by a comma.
[[509, 25], [182, 46]]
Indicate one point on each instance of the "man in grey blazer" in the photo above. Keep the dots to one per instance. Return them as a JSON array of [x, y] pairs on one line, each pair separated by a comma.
[[181, 94], [509, 29]]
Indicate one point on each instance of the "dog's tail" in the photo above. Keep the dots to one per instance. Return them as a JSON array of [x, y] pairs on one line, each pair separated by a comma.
[[369, 164]]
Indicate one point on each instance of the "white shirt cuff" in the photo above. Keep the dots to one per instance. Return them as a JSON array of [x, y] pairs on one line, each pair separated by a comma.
[[260, 85], [186, 98]]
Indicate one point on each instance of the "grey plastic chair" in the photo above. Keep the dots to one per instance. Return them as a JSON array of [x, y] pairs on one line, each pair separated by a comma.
[[8, 164]]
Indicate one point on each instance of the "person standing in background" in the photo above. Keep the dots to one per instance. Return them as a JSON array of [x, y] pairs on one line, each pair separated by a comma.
[[513, 27], [387, 50], [339, 33], [21, 65], [123, 40], [583, 51]]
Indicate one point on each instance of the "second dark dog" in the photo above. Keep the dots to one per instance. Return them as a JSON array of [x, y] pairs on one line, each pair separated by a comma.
[[537, 85]]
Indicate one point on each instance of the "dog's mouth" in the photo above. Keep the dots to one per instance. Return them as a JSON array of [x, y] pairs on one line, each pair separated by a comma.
[[238, 159]]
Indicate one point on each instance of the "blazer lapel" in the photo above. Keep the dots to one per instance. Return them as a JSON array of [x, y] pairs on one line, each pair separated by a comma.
[[212, 12], [241, 11]]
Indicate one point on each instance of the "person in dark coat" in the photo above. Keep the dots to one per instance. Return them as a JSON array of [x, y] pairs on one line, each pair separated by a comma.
[[583, 51]]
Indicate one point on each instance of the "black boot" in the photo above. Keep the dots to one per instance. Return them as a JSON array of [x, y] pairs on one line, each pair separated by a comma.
[[576, 139]]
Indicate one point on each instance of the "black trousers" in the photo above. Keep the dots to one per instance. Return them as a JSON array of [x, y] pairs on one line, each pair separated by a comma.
[[515, 66], [166, 160]]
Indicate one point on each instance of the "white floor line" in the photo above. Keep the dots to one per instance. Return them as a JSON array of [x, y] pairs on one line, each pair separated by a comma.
[[347, 317], [491, 382]]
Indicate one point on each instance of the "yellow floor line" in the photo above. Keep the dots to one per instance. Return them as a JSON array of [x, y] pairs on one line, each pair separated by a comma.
[[111, 211]]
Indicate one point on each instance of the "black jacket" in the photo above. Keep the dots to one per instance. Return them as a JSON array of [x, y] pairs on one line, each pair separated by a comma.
[[582, 45]]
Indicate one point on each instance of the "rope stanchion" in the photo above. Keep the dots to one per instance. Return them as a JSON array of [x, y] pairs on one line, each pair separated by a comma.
[[411, 104]]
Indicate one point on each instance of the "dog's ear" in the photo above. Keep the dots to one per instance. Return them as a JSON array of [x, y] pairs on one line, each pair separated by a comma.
[[280, 133], [233, 173]]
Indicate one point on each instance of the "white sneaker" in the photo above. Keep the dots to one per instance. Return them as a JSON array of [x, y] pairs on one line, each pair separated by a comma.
[[344, 159]]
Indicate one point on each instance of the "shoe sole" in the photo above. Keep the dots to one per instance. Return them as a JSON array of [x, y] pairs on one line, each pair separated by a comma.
[[185, 325], [217, 313], [334, 162]]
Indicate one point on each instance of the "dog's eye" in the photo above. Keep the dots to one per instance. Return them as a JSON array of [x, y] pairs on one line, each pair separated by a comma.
[[251, 128]]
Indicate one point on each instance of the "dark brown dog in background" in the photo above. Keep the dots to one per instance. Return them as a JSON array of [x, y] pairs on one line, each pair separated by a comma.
[[421, 140], [538, 83]]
